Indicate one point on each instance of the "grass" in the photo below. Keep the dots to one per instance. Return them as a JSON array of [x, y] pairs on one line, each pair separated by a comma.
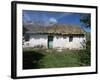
[[49, 58]]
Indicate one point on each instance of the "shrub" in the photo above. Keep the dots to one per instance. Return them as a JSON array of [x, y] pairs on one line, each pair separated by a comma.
[[85, 55]]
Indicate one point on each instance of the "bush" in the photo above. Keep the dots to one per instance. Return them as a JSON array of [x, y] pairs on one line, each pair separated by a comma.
[[85, 55]]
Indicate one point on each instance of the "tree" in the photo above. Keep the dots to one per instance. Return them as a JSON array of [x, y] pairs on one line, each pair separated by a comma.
[[86, 20], [85, 56]]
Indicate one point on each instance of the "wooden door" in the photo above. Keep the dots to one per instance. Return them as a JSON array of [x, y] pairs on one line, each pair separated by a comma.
[[50, 41]]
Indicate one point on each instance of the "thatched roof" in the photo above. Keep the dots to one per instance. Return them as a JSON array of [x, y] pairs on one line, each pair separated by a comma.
[[58, 28]]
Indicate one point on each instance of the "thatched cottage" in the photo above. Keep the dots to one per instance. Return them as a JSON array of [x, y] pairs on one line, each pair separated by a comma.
[[64, 36]]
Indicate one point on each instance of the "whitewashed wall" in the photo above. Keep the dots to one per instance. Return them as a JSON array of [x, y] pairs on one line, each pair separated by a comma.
[[63, 42], [36, 40], [58, 42]]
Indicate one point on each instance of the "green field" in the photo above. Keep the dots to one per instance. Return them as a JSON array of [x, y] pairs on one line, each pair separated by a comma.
[[50, 58]]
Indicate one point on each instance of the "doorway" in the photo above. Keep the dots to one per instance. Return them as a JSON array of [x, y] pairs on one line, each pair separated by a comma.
[[50, 41]]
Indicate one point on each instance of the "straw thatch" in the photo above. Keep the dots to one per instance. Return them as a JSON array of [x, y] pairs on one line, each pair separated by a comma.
[[57, 28]]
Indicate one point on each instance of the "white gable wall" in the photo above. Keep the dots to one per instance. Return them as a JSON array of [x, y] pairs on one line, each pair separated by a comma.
[[36, 40], [77, 43], [63, 42], [58, 41]]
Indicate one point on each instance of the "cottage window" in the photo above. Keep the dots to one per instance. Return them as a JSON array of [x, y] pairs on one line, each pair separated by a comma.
[[70, 38], [64, 37], [27, 38]]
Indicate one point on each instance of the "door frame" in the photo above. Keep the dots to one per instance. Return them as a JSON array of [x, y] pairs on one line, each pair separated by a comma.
[[50, 38]]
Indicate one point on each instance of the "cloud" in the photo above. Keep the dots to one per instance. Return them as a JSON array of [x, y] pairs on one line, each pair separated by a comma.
[[49, 21], [52, 20]]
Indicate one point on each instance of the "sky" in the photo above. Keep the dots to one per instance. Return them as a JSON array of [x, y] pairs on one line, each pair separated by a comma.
[[49, 18]]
